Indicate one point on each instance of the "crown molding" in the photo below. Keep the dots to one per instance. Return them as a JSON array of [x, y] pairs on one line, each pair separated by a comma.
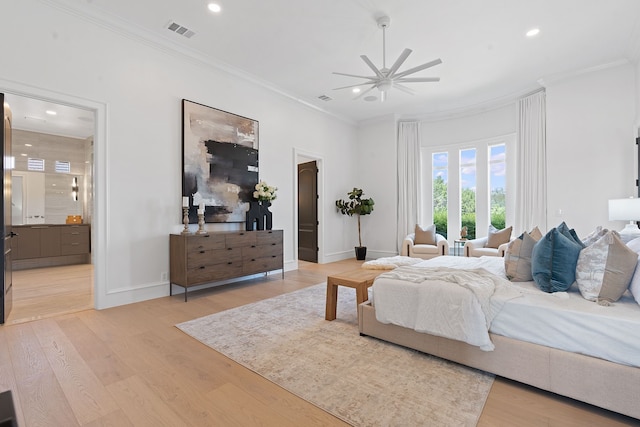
[[560, 77], [166, 45]]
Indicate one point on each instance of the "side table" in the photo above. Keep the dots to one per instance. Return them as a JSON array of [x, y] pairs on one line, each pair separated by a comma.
[[458, 247]]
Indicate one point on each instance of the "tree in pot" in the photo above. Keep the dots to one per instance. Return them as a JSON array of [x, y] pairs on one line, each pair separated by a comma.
[[358, 206]]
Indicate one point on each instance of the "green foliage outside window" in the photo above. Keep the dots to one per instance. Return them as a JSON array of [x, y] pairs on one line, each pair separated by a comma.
[[468, 208]]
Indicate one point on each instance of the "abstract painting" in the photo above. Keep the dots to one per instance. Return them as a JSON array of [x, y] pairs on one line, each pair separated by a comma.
[[219, 162]]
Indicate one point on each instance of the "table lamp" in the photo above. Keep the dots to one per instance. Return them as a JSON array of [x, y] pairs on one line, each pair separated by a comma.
[[626, 210]]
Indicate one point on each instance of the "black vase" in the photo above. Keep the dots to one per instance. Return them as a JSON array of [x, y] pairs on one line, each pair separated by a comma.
[[361, 253], [258, 216]]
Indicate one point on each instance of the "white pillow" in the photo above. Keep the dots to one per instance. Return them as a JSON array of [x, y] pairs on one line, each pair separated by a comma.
[[593, 237], [634, 286], [605, 268]]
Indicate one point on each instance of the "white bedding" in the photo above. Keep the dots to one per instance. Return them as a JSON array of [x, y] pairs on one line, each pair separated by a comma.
[[447, 302], [563, 320]]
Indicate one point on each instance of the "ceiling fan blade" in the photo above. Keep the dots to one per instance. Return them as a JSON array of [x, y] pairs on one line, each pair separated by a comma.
[[419, 68], [404, 89], [354, 75], [403, 57], [359, 84], [361, 94], [373, 67], [417, 79]]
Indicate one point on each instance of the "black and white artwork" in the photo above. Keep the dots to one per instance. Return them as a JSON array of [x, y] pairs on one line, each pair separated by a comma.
[[220, 162]]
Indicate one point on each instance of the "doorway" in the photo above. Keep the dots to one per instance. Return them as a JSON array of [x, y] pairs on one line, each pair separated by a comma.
[[308, 211], [59, 137]]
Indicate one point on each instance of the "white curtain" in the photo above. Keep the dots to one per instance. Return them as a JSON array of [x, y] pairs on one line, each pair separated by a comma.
[[531, 182], [408, 179]]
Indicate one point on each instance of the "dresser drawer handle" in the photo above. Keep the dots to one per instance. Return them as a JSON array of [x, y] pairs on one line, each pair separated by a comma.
[[253, 246], [253, 259], [206, 235], [75, 233], [229, 249], [273, 244], [273, 256], [201, 267], [202, 252], [230, 263]]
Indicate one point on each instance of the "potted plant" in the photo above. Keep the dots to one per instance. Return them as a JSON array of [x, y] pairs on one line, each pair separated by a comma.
[[358, 206]]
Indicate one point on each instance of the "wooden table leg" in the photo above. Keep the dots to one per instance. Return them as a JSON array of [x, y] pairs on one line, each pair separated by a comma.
[[332, 300], [361, 294]]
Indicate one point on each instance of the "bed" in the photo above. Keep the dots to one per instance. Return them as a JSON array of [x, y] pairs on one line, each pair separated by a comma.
[[521, 333]]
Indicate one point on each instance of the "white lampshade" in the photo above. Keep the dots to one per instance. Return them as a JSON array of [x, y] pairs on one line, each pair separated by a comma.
[[626, 210]]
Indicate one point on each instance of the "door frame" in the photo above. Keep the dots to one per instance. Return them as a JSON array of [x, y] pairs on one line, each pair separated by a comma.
[[303, 156], [99, 219]]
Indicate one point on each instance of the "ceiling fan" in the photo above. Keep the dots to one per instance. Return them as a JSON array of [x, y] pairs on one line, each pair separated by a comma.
[[386, 78]]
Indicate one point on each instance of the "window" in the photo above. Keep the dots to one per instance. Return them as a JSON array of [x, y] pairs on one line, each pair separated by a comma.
[[497, 184], [63, 167], [467, 185], [440, 162], [35, 165], [468, 191]]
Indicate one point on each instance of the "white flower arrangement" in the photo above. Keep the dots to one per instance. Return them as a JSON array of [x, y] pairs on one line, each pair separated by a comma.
[[265, 192]]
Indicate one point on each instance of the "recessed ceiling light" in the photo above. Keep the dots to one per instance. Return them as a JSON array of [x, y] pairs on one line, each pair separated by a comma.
[[28, 145], [533, 32], [214, 7], [24, 154], [51, 112], [356, 90]]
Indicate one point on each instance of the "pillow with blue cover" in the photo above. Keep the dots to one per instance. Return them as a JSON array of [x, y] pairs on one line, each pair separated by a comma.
[[553, 261], [570, 233]]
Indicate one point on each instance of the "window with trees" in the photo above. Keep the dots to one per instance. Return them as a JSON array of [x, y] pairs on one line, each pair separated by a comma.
[[468, 191], [467, 185], [440, 165]]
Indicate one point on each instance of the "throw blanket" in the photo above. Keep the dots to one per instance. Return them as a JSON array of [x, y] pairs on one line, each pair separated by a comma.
[[389, 263], [424, 299]]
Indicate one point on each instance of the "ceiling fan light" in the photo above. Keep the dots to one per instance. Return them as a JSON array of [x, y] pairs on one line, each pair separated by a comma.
[[385, 85]]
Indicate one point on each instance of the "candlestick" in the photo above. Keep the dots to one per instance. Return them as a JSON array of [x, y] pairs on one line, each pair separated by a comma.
[[185, 220], [201, 229], [185, 202]]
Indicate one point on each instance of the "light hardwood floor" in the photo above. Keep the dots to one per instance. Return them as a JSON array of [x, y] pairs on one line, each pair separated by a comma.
[[129, 366], [40, 293]]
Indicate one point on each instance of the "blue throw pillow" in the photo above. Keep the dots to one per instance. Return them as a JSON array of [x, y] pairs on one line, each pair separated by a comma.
[[553, 261], [570, 233]]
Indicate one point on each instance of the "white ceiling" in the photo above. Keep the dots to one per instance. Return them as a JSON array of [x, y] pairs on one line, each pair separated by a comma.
[[294, 46]]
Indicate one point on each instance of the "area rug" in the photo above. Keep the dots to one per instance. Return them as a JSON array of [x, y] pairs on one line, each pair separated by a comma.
[[361, 380]]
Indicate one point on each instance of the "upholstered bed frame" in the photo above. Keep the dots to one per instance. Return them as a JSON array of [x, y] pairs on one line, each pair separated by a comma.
[[595, 381]]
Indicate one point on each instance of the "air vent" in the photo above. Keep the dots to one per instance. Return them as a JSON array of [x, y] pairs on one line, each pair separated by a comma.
[[324, 98], [179, 29]]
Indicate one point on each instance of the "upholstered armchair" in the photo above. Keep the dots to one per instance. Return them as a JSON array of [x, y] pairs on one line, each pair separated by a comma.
[[418, 248], [495, 244], [477, 248]]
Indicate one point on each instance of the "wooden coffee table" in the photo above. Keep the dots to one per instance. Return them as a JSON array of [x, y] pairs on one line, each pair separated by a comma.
[[359, 279]]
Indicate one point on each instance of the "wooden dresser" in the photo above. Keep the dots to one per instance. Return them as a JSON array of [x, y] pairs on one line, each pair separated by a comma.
[[196, 259], [45, 245]]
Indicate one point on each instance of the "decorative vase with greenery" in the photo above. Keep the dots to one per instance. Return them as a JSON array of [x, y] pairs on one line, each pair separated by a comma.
[[358, 206]]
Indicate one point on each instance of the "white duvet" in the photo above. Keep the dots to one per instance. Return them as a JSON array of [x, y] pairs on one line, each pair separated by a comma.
[[444, 299]]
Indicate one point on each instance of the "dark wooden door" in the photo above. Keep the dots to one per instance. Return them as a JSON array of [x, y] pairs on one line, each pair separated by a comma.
[[5, 143], [308, 211]]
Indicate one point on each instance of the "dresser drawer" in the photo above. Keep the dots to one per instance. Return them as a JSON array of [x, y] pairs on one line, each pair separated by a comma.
[[74, 248], [240, 239], [205, 242], [269, 237], [261, 265], [261, 251], [214, 273], [212, 257]]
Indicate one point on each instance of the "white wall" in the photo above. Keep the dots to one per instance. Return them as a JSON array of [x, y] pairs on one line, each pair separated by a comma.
[[377, 176], [471, 127], [591, 130], [138, 150]]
